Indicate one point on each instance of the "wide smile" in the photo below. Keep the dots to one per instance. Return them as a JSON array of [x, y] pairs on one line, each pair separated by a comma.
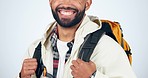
[[66, 13]]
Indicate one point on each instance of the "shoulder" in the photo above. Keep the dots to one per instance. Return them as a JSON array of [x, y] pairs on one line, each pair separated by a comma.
[[32, 47], [108, 46], [34, 44], [108, 49], [107, 41]]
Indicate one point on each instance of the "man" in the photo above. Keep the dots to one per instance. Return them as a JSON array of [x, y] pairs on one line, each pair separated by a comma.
[[61, 43]]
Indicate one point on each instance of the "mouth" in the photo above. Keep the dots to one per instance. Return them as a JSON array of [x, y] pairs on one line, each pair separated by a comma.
[[67, 12]]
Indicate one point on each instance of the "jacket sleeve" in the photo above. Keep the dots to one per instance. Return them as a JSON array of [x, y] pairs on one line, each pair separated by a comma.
[[111, 60]]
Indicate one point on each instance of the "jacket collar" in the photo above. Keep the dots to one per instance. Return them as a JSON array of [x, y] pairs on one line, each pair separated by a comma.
[[86, 27]]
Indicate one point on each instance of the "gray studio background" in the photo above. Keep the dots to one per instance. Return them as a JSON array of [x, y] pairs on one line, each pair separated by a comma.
[[24, 21]]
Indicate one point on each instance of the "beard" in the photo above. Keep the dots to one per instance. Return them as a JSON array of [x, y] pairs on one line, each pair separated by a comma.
[[67, 22]]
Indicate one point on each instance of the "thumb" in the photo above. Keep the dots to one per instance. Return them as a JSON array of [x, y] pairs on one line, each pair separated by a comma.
[[92, 63], [93, 66]]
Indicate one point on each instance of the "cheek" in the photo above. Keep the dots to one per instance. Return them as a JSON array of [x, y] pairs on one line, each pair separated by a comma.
[[53, 4], [81, 4]]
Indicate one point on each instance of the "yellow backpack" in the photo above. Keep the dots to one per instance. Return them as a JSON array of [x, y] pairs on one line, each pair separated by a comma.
[[111, 29]]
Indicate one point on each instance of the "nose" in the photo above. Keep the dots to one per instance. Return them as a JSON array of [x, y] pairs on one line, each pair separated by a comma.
[[66, 1]]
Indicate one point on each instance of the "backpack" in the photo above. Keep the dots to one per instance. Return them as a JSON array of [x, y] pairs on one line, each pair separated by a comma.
[[111, 29]]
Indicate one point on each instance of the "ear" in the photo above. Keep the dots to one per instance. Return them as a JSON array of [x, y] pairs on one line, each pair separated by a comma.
[[88, 4]]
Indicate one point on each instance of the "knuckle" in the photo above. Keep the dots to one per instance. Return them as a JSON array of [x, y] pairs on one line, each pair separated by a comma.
[[35, 66], [72, 73], [36, 63], [81, 64], [25, 64], [71, 66], [25, 61], [74, 62]]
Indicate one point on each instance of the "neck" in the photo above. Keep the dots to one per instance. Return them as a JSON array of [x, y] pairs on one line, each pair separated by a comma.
[[67, 34]]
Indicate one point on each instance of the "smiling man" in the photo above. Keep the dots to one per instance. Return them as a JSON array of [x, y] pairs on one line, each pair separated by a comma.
[[62, 41]]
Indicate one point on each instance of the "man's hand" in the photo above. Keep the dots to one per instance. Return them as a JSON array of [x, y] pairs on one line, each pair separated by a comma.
[[28, 68], [81, 69]]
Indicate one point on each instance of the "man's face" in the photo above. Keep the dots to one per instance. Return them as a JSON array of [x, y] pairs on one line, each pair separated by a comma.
[[69, 13]]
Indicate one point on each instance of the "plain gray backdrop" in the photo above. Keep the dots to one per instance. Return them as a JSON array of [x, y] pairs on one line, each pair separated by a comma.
[[24, 21]]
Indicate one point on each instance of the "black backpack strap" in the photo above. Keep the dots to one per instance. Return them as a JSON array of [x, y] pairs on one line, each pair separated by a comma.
[[106, 27], [89, 44], [40, 66], [37, 55]]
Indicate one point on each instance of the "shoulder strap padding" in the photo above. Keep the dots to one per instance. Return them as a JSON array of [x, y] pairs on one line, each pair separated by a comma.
[[37, 55], [89, 44]]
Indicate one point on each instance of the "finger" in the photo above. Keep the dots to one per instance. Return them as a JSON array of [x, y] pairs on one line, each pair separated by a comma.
[[79, 61], [27, 76], [74, 74], [32, 67], [30, 63], [74, 71], [29, 72], [91, 63], [30, 60], [75, 63], [73, 68]]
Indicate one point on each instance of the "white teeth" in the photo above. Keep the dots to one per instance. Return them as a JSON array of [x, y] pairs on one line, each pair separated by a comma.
[[66, 12]]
